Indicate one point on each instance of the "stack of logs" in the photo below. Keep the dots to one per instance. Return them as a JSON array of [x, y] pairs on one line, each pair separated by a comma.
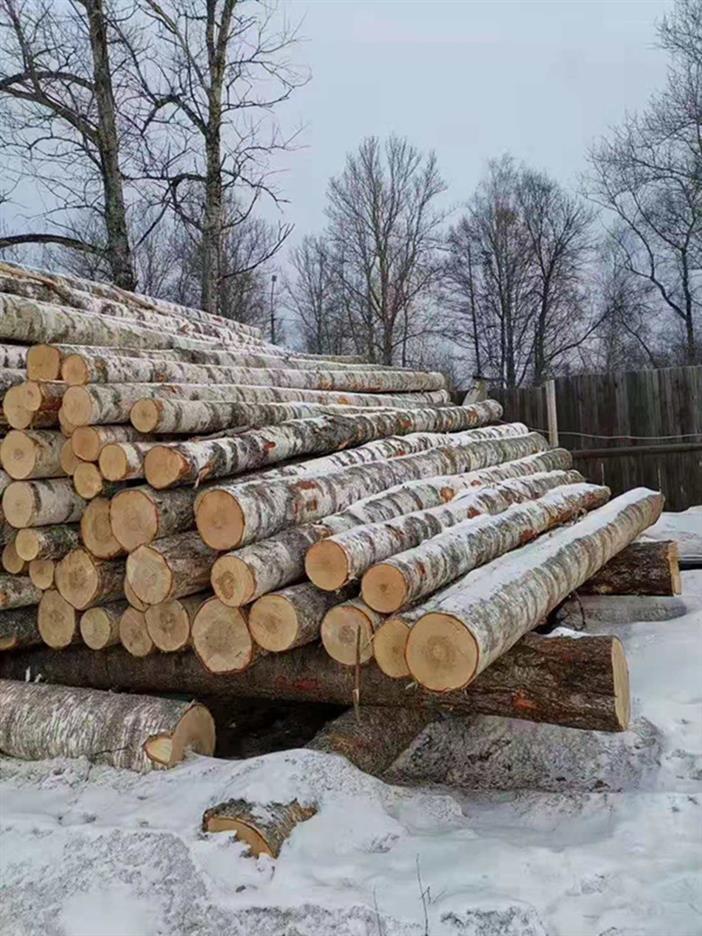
[[420, 542]]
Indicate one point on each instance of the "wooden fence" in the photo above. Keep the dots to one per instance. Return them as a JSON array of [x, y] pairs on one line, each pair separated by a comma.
[[626, 429]]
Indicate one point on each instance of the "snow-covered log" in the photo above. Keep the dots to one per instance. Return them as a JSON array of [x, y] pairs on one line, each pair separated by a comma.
[[17, 591], [42, 503], [18, 628], [231, 515], [263, 827], [84, 580], [221, 638], [292, 616], [28, 454], [486, 612], [169, 624], [170, 568], [38, 721]]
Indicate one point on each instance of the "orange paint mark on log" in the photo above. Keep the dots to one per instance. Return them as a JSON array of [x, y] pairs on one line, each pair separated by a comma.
[[522, 703]]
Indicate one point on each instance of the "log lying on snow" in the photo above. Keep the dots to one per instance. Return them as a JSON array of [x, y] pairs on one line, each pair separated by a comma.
[[98, 404], [42, 503], [292, 616], [343, 557], [647, 568], [170, 568], [233, 515], [580, 682], [85, 581], [170, 623], [33, 405], [263, 827], [99, 627], [39, 721], [16, 591], [32, 454], [406, 577], [472, 623], [221, 638], [18, 628], [181, 463], [88, 441]]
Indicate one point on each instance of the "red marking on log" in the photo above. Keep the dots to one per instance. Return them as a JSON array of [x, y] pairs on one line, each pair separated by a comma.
[[269, 445], [522, 702], [446, 494]]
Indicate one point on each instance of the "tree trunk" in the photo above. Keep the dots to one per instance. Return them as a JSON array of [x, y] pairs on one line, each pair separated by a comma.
[[292, 616], [233, 515], [133, 633], [169, 624], [170, 568], [140, 515], [466, 627], [99, 627], [85, 581], [347, 632], [50, 542], [44, 361], [18, 628], [88, 441], [32, 454], [96, 530], [343, 557], [580, 682], [39, 721], [42, 503], [124, 461], [16, 591], [13, 357], [404, 578], [221, 638], [67, 457], [57, 620], [646, 568], [33, 405]]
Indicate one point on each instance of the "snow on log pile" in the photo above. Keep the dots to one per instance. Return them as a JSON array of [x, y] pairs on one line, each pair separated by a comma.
[[173, 483]]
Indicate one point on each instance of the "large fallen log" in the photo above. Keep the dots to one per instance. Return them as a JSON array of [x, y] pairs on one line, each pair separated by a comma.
[[32, 454], [16, 591], [470, 624], [292, 616], [404, 578], [233, 515], [581, 682], [45, 502], [18, 628], [170, 568], [646, 568], [39, 721]]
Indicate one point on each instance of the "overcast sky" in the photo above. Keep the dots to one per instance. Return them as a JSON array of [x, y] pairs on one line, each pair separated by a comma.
[[470, 79]]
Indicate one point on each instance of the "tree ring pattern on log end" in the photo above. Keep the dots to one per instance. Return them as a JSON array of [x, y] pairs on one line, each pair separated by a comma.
[[441, 652]]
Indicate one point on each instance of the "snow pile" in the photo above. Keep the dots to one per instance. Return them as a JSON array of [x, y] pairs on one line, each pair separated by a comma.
[[554, 832], [684, 527]]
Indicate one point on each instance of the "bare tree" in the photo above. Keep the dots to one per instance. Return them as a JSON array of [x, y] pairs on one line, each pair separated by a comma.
[[383, 237], [59, 118], [314, 298], [209, 89], [648, 173]]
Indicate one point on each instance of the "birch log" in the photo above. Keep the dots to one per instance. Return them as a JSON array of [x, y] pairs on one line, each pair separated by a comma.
[[221, 638], [292, 616], [133, 633], [67, 457], [33, 405], [98, 404], [181, 463], [85, 581], [44, 361], [347, 632], [10, 377], [140, 515], [137, 732], [264, 828], [228, 516], [579, 682], [42, 573], [488, 610], [96, 530], [16, 591], [13, 356], [169, 624], [88, 441], [32, 454], [99, 627], [343, 557], [123, 461], [11, 560], [409, 575], [89, 482], [645, 568], [18, 628], [170, 568], [57, 620], [42, 503]]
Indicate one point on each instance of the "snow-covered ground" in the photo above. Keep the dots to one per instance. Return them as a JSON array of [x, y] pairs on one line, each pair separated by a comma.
[[493, 827]]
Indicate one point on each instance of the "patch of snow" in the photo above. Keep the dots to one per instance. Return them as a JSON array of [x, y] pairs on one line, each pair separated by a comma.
[[684, 527]]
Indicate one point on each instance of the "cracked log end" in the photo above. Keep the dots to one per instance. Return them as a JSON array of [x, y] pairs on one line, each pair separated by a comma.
[[441, 652], [233, 581], [384, 588], [194, 732], [221, 638], [220, 520], [327, 565]]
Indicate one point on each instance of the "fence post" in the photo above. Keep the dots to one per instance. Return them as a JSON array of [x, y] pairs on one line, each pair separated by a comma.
[[551, 412]]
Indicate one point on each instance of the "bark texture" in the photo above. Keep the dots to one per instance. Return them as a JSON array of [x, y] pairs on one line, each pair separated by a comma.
[[292, 616], [32, 454], [88, 441], [263, 827], [485, 613], [42, 503], [17, 591], [567, 681], [123, 461], [38, 721], [18, 628], [13, 356], [49, 542], [646, 568], [170, 568]]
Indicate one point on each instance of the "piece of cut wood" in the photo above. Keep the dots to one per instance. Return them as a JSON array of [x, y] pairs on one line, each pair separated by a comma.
[[133, 600], [221, 638], [124, 461], [264, 828], [33, 404], [17, 591], [39, 721], [645, 568], [35, 453], [579, 682], [84, 580], [170, 568], [170, 623], [18, 628], [89, 482], [292, 616], [133, 633], [99, 627], [47, 542], [140, 515], [42, 573], [347, 632], [89, 441], [13, 356], [68, 459], [42, 503], [96, 530], [57, 620], [12, 562], [469, 625]]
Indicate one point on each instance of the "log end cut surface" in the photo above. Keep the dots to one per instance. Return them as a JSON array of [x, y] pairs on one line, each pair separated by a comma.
[[43, 363], [144, 415], [389, 645], [194, 732], [273, 623], [620, 675], [347, 634], [441, 652], [57, 620], [168, 624], [18, 504], [18, 454], [327, 566], [77, 578], [384, 588], [133, 633], [85, 443], [220, 520], [233, 581], [164, 466], [113, 462], [78, 406], [134, 519], [221, 638], [149, 575], [74, 370], [87, 480]]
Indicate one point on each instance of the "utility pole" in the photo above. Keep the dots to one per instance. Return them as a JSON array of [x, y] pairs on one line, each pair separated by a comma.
[[273, 281]]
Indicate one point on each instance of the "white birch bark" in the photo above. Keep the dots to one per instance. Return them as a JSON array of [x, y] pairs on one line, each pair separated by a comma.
[[48, 542], [17, 591], [13, 357], [88, 441], [18, 628], [291, 617], [27, 454], [42, 503], [170, 568]]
